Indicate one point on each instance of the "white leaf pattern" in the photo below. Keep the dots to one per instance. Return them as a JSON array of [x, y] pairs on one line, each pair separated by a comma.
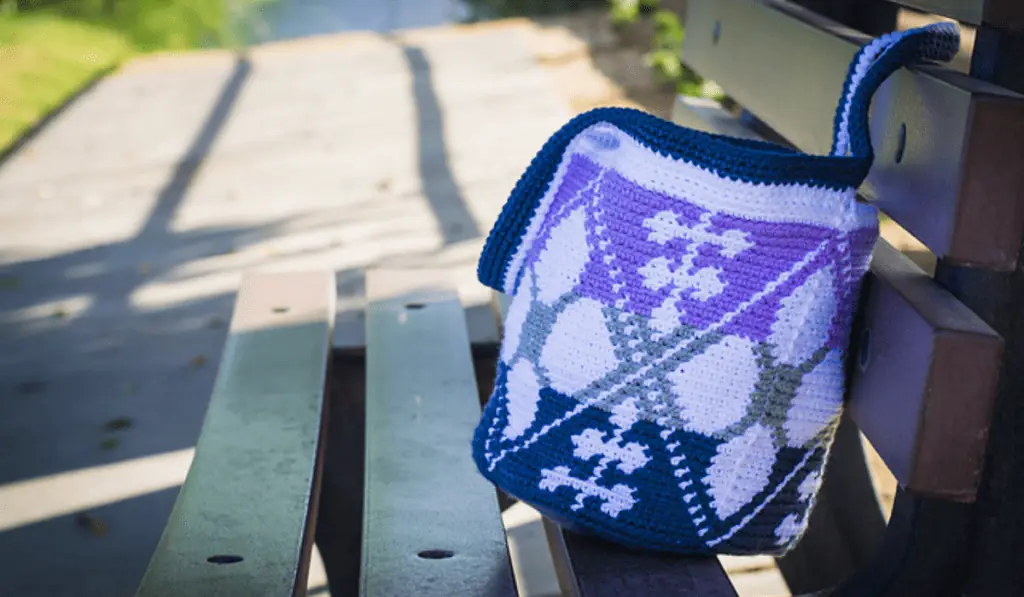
[[802, 324], [523, 394], [713, 389], [565, 254], [740, 470], [818, 402], [579, 349]]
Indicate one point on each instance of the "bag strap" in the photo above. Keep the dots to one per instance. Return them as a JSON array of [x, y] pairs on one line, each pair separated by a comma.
[[870, 68]]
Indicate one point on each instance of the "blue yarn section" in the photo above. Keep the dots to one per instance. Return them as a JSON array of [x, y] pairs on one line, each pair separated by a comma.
[[935, 42], [660, 519], [731, 158]]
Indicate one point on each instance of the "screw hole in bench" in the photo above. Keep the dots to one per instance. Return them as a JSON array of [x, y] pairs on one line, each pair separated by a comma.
[[864, 350], [901, 143], [224, 559], [280, 309], [436, 554], [414, 306]]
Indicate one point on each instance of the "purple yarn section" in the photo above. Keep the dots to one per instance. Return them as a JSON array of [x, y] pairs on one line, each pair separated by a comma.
[[629, 227], [570, 194]]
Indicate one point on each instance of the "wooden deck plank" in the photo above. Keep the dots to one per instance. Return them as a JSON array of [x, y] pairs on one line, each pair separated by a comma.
[[431, 522], [232, 533]]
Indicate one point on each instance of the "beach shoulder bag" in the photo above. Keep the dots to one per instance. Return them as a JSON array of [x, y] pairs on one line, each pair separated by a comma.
[[672, 371]]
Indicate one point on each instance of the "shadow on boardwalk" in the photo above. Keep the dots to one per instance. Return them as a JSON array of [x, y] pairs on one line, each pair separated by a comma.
[[115, 386], [111, 385]]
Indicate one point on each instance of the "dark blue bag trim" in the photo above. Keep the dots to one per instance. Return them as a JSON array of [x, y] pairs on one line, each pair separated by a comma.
[[745, 160]]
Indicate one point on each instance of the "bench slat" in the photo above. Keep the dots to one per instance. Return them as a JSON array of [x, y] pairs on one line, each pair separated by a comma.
[[1000, 13], [928, 370], [424, 497], [589, 567], [956, 185], [252, 489], [925, 392]]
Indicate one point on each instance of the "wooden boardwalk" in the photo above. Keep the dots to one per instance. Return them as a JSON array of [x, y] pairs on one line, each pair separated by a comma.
[[126, 224]]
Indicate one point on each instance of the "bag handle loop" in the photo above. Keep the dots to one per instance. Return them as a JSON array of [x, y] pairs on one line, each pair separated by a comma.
[[871, 66]]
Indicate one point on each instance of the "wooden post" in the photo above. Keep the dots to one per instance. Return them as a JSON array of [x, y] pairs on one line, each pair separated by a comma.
[[996, 555]]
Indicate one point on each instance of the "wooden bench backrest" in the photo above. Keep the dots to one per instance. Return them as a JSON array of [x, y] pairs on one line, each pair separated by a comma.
[[926, 367], [947, 150], [1007, 14]]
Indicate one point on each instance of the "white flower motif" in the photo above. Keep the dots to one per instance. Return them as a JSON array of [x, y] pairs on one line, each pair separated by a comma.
[[704, 283], [665, 226], [613, 500], [627, 457]]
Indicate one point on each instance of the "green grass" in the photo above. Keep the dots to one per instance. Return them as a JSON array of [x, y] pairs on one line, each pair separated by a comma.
[[49, 49], [44, 59], [150, 24]]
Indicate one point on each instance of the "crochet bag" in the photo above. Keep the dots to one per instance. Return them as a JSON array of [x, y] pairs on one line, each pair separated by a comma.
[[673, 367]]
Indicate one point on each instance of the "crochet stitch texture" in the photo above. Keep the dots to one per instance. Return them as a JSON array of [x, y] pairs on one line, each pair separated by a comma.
[[673, 366]]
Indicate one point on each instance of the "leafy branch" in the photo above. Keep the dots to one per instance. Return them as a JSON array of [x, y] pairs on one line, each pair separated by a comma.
[[666, 45]]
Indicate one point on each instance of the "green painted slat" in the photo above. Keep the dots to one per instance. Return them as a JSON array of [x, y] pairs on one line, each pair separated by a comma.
[[956, 183], [242, 523], [431, 523]]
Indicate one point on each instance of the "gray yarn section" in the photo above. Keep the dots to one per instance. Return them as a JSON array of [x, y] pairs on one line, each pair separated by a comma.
[[647, 356], [638, 345]]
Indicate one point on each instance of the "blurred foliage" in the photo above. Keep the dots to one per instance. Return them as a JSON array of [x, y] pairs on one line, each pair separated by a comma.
[[43, 60], [49, 49], [666, 45], [149, 24], [626, 12]]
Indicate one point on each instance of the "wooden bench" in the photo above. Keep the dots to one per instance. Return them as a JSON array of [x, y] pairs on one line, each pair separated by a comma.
[[370, 446], [420, 520]]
